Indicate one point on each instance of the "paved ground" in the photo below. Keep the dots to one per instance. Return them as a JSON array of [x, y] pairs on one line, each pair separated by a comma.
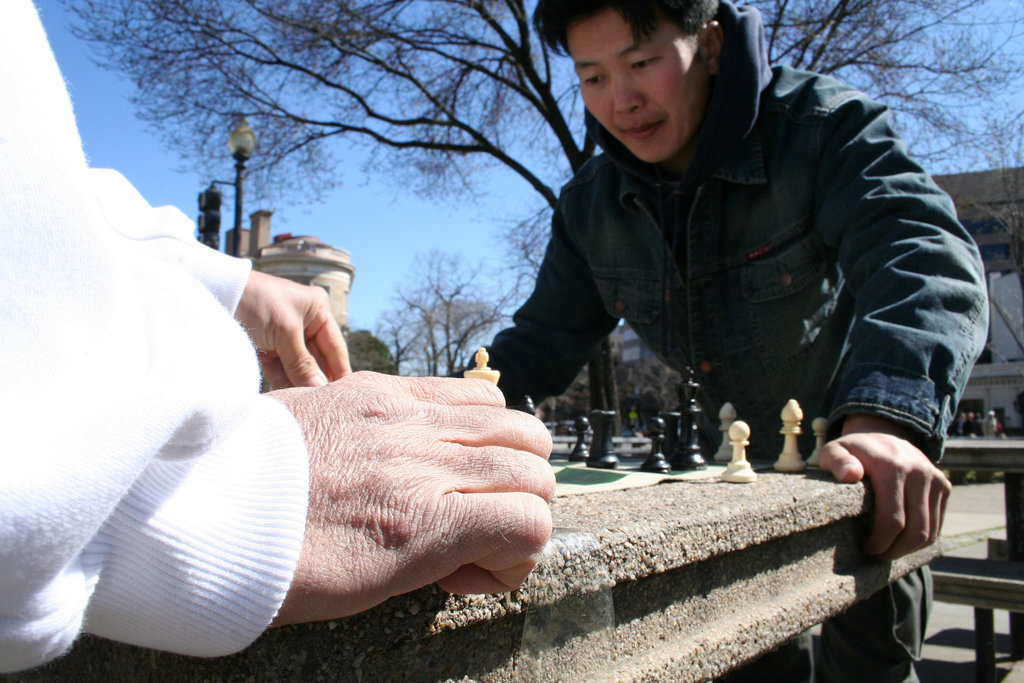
[[975, 512]]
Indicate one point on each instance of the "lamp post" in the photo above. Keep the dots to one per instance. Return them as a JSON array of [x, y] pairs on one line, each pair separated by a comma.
[[242, 143]]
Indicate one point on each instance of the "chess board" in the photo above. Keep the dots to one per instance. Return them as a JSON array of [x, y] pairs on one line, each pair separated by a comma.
[[575, 477]]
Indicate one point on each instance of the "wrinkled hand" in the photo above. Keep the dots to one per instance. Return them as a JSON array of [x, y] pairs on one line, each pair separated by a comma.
[[297, 339], [415, 481], [910, 492]]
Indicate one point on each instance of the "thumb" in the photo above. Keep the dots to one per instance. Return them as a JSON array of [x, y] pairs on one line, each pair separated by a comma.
[[299, 365], [843, 465]]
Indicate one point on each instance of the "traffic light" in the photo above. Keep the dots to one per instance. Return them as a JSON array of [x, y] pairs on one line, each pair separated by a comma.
[[209, 217]]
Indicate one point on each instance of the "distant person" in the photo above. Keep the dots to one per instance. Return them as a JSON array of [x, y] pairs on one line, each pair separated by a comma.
[[961, 426], [990, 427], [977, 424], [149, 493]]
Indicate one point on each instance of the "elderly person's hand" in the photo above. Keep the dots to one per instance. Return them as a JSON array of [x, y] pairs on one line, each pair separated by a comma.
[[415, 481]]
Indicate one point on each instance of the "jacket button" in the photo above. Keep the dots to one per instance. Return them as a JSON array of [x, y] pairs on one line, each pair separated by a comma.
[[705, 366], [786, 279], [620, 306]]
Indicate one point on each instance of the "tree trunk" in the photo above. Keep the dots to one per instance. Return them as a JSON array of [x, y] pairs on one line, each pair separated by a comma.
[[603, 393]]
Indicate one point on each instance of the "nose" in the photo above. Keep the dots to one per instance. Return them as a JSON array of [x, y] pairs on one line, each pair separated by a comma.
[[627, 97]]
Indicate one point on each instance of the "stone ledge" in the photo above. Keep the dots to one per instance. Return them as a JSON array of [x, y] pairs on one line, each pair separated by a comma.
[[702, 576]]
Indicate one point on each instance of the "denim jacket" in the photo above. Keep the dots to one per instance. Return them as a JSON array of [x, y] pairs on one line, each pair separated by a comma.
[[822, 264]]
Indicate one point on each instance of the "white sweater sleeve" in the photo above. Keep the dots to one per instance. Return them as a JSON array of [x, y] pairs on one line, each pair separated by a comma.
[[148, 493], [167, 234]]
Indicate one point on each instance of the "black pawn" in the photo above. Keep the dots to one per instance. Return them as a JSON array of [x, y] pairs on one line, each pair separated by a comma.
[[602, 449], [687, 455], [671, 418], [527, 406], [656, 461], [579, 451]]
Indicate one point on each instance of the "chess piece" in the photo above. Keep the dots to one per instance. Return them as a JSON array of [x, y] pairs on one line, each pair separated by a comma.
[[526, 406], [656, 461], [481, 371], [726, 416], [687, 455], [602, 448], [789, 459], [819, 425], [671, 418], [579, 451], [739, 470]]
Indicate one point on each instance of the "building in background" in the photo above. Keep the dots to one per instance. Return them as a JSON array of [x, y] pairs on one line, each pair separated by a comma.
[[990, 204], [300, 258]]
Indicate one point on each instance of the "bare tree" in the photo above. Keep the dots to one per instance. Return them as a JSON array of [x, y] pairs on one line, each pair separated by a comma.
[[448, 311], [397, 329], [451, 84], [938, 63]]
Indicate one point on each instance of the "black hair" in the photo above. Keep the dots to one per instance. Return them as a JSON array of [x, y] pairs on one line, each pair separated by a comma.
[[552, 18]]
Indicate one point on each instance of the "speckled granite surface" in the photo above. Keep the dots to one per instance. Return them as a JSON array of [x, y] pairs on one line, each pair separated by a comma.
[[680, 581]]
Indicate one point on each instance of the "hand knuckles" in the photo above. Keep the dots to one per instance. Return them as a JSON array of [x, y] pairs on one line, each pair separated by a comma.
[[891, 524], [534, 524], [917, 537]]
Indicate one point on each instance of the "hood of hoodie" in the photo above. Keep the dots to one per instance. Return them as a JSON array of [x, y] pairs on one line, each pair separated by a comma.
[[744, 72]]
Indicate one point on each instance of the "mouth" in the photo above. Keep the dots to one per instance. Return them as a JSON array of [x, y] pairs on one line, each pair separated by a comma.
[[643, 131]]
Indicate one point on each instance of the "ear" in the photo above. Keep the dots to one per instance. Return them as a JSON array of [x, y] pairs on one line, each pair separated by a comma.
[[709, 42]]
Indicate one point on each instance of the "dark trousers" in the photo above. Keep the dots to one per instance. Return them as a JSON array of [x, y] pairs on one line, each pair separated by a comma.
[[877, 640]]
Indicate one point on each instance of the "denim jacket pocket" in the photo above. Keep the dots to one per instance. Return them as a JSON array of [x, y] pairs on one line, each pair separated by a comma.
[[788, 297], [630, 294]]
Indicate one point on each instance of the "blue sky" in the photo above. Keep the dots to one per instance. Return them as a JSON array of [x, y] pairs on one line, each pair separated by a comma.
[[383, 232]]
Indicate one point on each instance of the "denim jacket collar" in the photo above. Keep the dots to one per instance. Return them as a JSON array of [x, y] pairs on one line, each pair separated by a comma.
[[744, 166]]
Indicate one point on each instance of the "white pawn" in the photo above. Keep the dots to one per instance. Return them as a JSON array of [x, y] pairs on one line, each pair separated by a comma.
[[789, 459], [739, 470], [819, 426], [726, 416], [482, 370]]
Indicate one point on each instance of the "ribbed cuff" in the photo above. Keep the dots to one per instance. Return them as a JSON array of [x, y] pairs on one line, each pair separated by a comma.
[[198, 557]]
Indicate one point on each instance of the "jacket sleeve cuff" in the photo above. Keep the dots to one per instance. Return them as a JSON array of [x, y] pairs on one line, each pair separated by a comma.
[[198, 557], [895, 395]]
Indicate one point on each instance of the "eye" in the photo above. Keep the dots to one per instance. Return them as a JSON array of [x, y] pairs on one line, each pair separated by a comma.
[[642, 63], [592, 80]]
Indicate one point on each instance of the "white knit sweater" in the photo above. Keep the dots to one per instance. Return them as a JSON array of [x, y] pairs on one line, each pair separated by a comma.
[[148, 493]]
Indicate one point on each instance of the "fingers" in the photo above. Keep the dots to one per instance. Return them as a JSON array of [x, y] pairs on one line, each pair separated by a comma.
[[499, 541], [494, 426], [300, 367], [940, 498], [273, 372], [891, 519], [484, 470], [327, 344], [922, 517], [843, 465], [910, 493], [437, 390], [470, 578]]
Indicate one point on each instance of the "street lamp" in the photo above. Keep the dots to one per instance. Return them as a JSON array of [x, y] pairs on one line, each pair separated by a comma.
[[242, 143]]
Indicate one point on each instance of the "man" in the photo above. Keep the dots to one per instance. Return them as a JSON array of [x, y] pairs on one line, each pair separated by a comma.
[[148, 493], [766, 228]]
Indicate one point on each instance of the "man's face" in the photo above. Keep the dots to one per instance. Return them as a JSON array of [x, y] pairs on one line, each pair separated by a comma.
[[650, 94]]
